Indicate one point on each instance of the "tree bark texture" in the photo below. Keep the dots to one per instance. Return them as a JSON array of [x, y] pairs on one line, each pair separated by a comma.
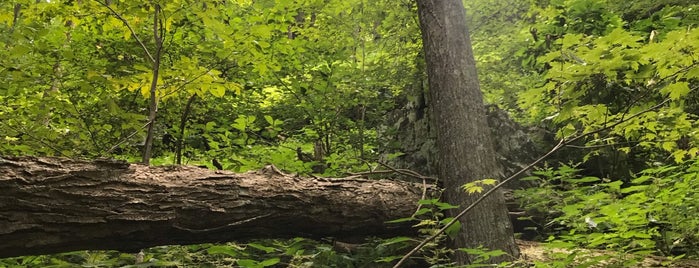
[[50, 205], [464, 144]]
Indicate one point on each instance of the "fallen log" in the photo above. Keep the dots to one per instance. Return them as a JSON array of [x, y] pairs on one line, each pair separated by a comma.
[[50, 205]]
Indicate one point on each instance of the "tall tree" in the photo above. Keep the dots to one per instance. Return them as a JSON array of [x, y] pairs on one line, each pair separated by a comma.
[[465, 148]]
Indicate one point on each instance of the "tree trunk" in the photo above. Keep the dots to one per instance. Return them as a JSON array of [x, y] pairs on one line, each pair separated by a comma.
[[153, 100], [51, 205], [465, 148]]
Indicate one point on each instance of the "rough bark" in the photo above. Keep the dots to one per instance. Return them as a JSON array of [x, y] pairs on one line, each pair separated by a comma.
[[464, 144], [53, 205], [515, 145]]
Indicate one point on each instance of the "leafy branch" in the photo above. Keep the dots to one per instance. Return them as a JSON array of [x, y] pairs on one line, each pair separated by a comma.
[[562, 143], [47, 144], [126, 23]]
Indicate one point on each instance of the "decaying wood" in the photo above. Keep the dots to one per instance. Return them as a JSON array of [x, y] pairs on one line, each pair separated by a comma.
[[52, 205]]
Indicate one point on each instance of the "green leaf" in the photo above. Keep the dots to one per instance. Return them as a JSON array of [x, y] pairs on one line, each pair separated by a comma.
[[641, 179], [269, 262], [428, 201], [615, 185], [471, 188], [571, 40], [266, 249], [217, 90], [389, 258], [669, 146], [235, 87], [210, 126], [445, 206], [142, 68], [566, 131], [248, 263], [396, 240], [402, 219], [635, 188], [583, 180], [226, 250], [676, 90], [453, 230], [422, 211], [489, 181]]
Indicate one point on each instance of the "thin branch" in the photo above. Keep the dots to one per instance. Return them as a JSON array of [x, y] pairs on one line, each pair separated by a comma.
[[87, 126], [122, 19], [187, 82], [183, 125], [423, 197], [406, 172], [15, 19], [222, 226], [125, 139], [153, 103], [210, 67], [558, 146], [34, 138], [597, 146]]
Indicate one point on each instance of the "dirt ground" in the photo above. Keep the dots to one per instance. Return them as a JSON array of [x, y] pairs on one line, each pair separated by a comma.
[[536, 252]]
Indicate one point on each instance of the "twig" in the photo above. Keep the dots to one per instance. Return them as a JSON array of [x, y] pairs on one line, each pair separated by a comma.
[[35, 138], [406, 172], [401, 171], [222, 226], [122, 19], [182, 86], [558, 146], [413, 174], [125, 139], [423, 197]]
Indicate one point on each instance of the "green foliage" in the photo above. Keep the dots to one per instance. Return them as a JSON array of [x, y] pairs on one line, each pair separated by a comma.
[[595, 80], [249, 82], [431, 217], [482, 255], [242, 82], [647, 215], [272, 60], [597, 69], [477, 186], [496, 33]]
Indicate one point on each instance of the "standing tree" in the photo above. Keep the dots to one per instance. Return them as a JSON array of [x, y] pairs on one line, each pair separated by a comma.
[[154, 60], [463, 141]]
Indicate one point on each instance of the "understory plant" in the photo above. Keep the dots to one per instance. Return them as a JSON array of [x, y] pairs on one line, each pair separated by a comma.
[[652, 213]]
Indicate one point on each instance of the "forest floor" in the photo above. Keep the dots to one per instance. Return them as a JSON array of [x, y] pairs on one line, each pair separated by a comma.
[[536, 252]]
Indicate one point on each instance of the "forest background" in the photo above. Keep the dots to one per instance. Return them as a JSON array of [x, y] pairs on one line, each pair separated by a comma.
[[308, 85]]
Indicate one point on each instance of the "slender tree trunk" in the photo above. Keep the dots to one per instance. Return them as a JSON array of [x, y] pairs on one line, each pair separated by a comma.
[[15, 18], [153, 104], [466, 152], [183, 125]]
